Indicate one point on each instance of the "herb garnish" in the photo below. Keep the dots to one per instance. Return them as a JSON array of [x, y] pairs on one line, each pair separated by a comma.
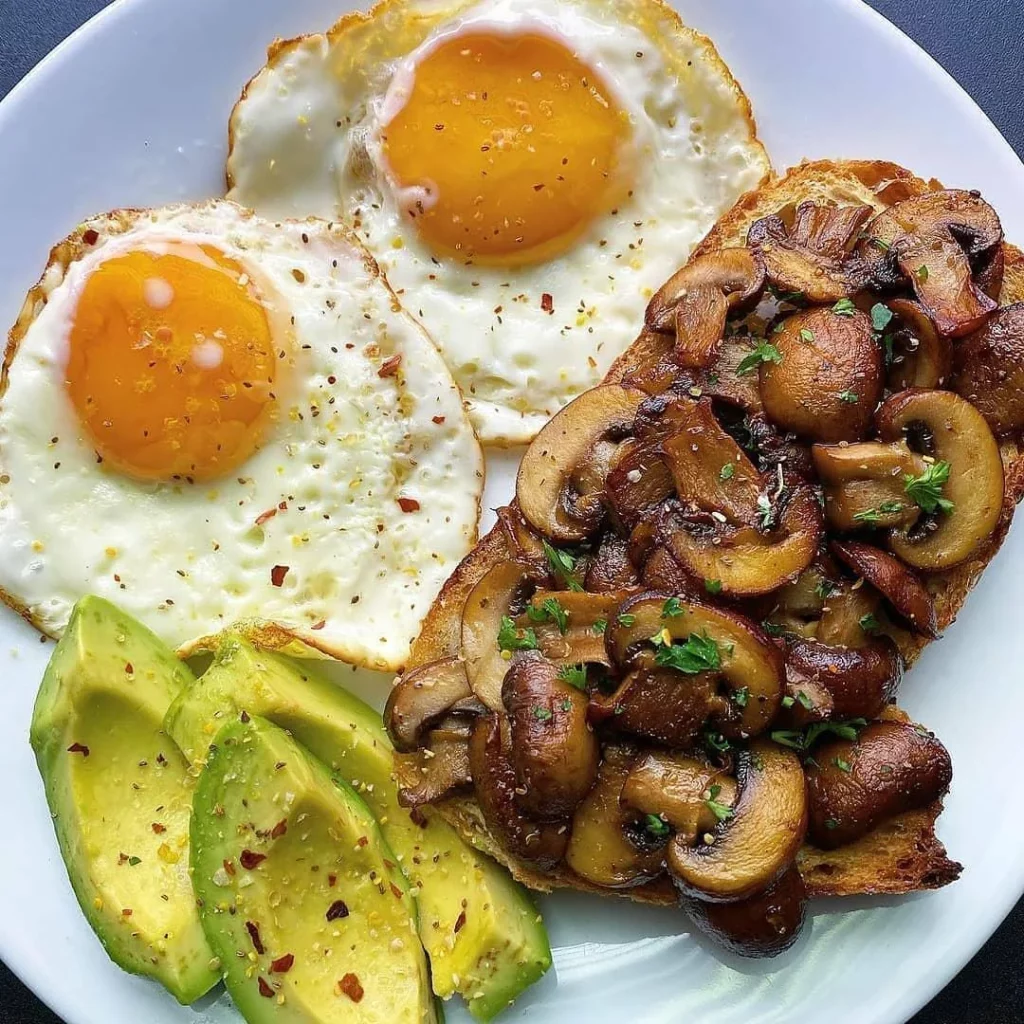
[[600, 625], [550, 611], [626, 619], [541, 714], [574, 675], [563, 565], [656, 825], [713, 586], [512, 639], [881, 314], [698, 654], [922, 272], [672, 608], [720, 811], [806, 334], [764, 352], [727, 471], [926, 489], [848, 396], [844, 307], [873, 515], [797, 740], [741, 696], [869, 623]]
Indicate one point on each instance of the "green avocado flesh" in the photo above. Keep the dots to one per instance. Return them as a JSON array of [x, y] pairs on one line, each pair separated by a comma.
[[301, 897], [120, 794], [484, 938]]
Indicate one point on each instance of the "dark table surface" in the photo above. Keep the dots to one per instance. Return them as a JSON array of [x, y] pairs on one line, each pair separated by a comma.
[[981, 42]]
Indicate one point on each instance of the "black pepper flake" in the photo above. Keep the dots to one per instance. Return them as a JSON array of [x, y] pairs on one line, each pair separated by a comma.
[[337, 910]]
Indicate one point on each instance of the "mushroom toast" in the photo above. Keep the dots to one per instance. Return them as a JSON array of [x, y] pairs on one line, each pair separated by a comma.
[[670, 671]]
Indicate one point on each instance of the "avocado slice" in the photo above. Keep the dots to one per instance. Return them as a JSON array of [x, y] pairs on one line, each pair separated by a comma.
[[120, 794], [484, 937], [301, 897]]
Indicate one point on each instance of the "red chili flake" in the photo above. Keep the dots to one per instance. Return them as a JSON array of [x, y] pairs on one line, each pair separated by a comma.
[[319, 625], [265, 990], [283, 964], [254, 933], [277, 574], [390, 366], [332, 880], [362, 841], [229, 867], [265, 517], [459, 922], [332, 379], [250, 860], [437, 419], [279, 829], [351, 987], [547, 303], [79, 748], [126, 912], [408, 504], [337, 910], [395, 891], [122, 858], [158, 828], [90, 236], [129, 668]]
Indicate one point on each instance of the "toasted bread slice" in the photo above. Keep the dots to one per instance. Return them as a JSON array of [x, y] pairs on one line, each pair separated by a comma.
[[903, 854]]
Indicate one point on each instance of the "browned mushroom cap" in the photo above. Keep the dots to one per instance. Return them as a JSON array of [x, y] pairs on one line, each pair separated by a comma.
[[758, 841], [697, 455], [841, 682], [829, 379], [960, 438], [723, 643], [990, 370], [610, 569], [921, 357], [865, 484], [440, 767], [663, 572], [722, 379], [901, 588], [697, 300], [494, 597], [854, 785], [554, 751], [608, 846], [678, 790], [559, 463], [748, 561], [660, 705], [637, 484], [813, 259], [423, 696], [844, 615], [494, 783], [522, 544], [930, 241], [764, 925], [567, 624]]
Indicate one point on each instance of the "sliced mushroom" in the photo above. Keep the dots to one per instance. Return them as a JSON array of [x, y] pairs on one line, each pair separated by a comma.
[[814, 259], [496, 595], [747, 561], [546, 489], [600, 848], [898, 584], [611, 568], [494, 783], [637, 484], [567, 626], [441, 766], [845, 614], [990, 370], [679, 791], [554, 751], [960, 437], [663, 572], [736, 650], [854, 785], [865, 484], [758, 842], [723, 381], [698, 299], [921, 357], [829, 379], [522, 543], [421, 697], [930, 241], [763, 925]]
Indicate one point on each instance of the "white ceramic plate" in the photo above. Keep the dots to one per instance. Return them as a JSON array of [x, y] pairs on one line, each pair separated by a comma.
[[132, 111]]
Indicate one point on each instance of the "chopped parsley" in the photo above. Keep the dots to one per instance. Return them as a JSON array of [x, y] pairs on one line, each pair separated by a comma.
[[825, 589], [134, 861], [512, 639], [563, 565], [600, 625], [626, 619], [801, 698], [926, 489], [806, 335], [804, 740], [656, 825], [879, 243], [566, 704], [717, 742], [772, 628], [844, 307], [721, 811], [727, 472], [698, 654], [764, 352], [550, 611], [713, 586], [881, 314], [672, 608], [922, 273], [831, 823], [765, 512], [741, 696], [843, 766], [848, 396], [574, 675], [541, 714], [869, 623], [873, 515]]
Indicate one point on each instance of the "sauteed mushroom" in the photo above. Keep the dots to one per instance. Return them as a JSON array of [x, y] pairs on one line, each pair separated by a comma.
[[921, 357], [423, 696], [990, 370], [441, 765]]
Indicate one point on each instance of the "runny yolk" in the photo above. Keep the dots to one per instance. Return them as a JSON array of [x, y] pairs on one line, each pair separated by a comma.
[[507, 147], [172, 364]]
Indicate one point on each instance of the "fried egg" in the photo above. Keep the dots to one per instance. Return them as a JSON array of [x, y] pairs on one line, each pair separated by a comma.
[[209, 418], [526, 172]]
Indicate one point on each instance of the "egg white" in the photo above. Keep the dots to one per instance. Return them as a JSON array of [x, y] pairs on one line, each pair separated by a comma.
[[305, 139], [319, 497]]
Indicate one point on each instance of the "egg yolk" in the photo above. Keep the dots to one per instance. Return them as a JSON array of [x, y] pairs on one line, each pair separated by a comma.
[[506, 148], [172, 364]]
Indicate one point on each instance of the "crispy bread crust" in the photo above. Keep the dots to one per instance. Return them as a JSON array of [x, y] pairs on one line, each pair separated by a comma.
[[904, 854]]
